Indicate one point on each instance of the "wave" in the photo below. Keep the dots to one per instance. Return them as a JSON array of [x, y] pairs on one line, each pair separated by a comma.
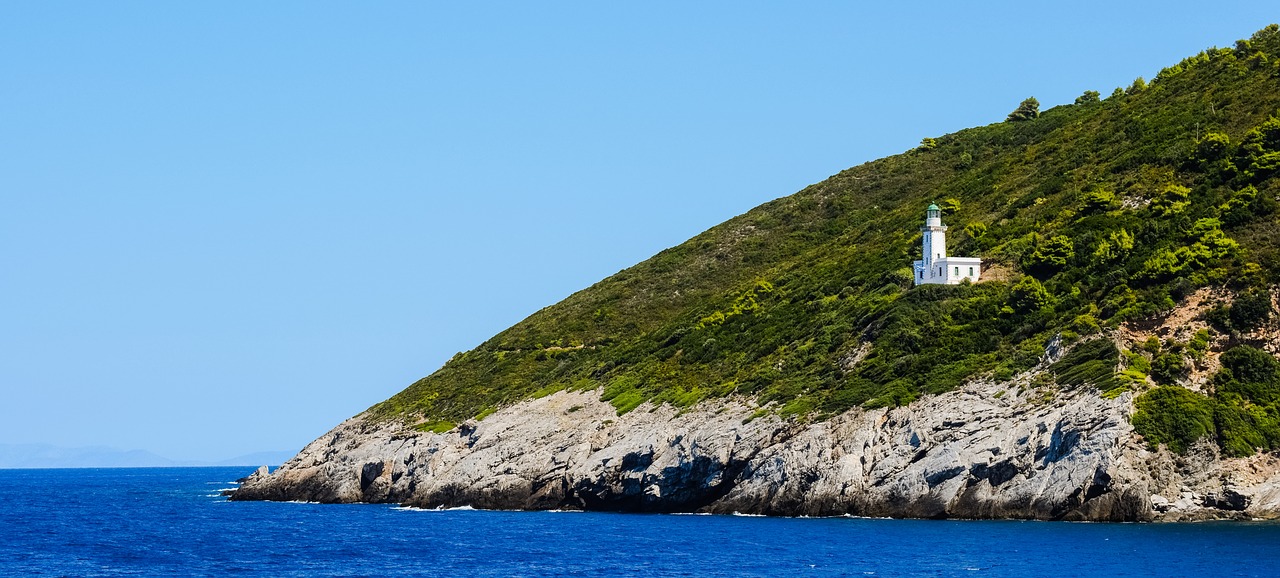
[[440, 509]]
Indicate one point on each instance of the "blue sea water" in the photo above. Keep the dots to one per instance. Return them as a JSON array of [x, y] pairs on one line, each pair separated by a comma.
[[172, 521]]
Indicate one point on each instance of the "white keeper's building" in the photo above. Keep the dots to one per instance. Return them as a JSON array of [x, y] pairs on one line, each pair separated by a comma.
[[936, 267]]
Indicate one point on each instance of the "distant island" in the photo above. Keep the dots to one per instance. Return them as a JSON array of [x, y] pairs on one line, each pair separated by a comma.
[[50, 456], [1117, 361]]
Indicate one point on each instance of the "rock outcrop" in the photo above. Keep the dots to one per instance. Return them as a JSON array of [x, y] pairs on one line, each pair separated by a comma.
[[989, 450]]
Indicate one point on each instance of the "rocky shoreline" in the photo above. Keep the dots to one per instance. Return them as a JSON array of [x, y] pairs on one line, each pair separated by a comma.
[[986, 451]]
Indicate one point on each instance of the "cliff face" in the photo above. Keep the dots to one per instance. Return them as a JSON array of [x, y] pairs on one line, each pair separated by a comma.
[[989, 450]]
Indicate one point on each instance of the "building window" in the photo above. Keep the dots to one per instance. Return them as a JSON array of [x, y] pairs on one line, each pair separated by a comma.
[[957, 271], [971, 271]]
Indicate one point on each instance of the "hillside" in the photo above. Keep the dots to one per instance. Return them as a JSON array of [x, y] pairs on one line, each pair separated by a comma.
[[1090, 215], [1117, 360]]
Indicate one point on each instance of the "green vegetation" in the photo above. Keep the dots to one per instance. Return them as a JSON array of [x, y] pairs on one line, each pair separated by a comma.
[[1029, 109], [435, 426], [1173, 416], [1087, 215], [1243, 412], [1089, 97], [1092, 362], [1248, 311]]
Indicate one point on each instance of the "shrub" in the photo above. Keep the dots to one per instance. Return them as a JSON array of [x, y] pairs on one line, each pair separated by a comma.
[[1029, 295], [1168, 368], [1115, 247], [1212, 147], [1049, 255], [1243, 428], [1240, 207], [1250, 372], [1251, 310], [1173, 416], [1199, 344], [1099, 200], [1171, 200], [1092, 362], [1262, 139]]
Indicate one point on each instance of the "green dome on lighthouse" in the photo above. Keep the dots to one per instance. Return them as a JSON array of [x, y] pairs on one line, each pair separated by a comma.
[[933, 207]]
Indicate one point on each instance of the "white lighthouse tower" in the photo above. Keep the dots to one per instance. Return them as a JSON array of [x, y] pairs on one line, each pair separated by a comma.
[[936, 267]]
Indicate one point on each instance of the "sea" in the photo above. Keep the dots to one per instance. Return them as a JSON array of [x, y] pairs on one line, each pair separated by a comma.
[[176, 522]]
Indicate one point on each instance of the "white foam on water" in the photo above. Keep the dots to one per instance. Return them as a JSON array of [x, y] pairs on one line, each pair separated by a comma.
[[440, 509]]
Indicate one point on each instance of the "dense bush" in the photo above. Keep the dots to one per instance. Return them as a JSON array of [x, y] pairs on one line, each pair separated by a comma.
[[1244, 408], [1168, 368], [1251, 310], [1250, 372], [1173, 416]]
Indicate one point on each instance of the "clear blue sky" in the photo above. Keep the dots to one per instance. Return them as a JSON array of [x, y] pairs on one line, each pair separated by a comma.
[[227, 227]]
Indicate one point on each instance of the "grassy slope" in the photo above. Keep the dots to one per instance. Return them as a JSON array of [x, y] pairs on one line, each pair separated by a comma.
[[769, 303]]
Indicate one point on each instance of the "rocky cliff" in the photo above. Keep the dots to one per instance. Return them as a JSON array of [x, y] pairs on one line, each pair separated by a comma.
[[988, 450]]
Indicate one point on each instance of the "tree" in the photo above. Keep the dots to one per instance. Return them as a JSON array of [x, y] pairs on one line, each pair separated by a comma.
[[1114, 248], [1139, 85], [928, 144], [1250, 310], [1047, 256], [1029, 295], [1029, 109], [1212, 147], [1089, 97]]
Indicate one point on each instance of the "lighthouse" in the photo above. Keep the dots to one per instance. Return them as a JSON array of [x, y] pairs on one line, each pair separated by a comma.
[[936, 268]]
